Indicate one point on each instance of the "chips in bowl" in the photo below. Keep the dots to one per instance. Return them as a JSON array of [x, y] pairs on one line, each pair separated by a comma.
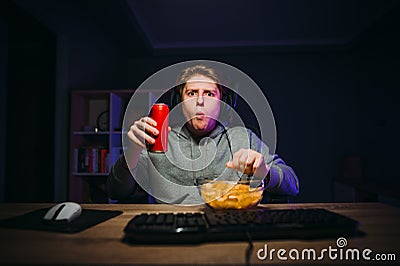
[[230, 195]]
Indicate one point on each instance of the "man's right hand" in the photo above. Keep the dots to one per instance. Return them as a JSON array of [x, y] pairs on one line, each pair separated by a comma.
[[143, 131]]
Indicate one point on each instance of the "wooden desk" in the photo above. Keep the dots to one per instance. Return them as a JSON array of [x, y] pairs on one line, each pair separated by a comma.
[[102, 244]]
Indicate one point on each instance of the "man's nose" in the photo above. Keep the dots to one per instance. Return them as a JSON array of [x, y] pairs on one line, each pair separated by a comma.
[[200, 100]]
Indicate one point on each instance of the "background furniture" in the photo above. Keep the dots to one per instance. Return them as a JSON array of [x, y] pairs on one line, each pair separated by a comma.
[[353, 186], [96, 125]]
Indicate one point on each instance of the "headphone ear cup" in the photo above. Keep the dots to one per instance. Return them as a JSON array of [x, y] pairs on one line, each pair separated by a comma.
[[228, 98], [175, 98]]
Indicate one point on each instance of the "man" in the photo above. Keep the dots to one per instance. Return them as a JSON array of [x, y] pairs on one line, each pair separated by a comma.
[[202, 147]]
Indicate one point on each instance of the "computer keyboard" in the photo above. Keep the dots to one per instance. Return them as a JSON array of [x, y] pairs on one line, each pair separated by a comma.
[[237, 225]]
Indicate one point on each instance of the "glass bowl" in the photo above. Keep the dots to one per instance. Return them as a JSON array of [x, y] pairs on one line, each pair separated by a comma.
[[220, 194]]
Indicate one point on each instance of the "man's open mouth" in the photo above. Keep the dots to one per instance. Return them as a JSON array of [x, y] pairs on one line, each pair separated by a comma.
[[200, 115]]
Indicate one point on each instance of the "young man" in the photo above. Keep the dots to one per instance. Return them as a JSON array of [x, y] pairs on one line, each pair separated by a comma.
[[202, 147]]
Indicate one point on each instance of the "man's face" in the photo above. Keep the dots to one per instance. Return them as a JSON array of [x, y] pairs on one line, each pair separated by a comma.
[[201, 104]]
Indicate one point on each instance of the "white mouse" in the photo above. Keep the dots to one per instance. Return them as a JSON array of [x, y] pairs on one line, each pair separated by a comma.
[[63, 212]]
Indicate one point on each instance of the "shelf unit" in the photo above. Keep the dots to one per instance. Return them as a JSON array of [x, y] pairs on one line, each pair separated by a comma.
[[89, 165]]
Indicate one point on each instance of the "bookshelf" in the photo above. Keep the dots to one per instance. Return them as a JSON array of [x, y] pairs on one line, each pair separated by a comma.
[[96, 138]]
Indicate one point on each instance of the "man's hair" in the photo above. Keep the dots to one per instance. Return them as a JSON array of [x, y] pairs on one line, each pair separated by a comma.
[[200, 70]]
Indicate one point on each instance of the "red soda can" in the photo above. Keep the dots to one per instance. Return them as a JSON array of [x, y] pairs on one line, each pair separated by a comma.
[[159, 112]]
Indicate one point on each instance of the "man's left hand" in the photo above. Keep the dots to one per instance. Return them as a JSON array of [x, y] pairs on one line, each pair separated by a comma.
[[249, 162]]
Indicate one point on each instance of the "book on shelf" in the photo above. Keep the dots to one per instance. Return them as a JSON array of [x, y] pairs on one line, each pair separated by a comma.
[[90, 160]]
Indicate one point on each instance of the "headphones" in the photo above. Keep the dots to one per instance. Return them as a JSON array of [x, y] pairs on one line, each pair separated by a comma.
[[229, 97]]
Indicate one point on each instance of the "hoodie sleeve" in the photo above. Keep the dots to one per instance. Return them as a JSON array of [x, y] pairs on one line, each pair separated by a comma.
[[120, 182], [282, 178]]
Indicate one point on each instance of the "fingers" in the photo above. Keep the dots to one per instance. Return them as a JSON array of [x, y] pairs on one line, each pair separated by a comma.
[[235, 161], [245, 161], [149, 121], [135, 139], [257, 163], [148, 125], [142, 131]]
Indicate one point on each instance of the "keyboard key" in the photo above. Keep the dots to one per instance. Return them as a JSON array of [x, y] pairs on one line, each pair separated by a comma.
[[140, 219], [169, 219], [160, 218], [180, 221], [151, 219]]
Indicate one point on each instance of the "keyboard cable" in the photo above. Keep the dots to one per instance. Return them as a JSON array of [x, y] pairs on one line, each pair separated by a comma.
[[249, 248]]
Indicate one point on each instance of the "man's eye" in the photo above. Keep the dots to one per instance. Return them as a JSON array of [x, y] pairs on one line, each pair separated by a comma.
[[210, 94], [191, 93]]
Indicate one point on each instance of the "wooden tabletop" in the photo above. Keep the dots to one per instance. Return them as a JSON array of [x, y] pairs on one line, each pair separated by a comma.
[[102, 243]]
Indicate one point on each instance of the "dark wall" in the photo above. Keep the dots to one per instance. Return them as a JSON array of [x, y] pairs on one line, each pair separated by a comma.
[[3, 95], [378, 62], [29, 171]]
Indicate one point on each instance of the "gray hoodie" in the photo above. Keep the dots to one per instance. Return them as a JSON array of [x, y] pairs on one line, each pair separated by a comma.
[[171, 177]]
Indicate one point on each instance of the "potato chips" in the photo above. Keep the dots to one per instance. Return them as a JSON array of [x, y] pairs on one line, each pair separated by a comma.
[[228, 195]]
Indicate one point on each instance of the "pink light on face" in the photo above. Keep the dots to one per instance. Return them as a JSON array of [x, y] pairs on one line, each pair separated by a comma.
[[201, 104]]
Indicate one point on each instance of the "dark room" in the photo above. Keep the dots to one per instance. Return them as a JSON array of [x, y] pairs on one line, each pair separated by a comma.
[[273, 106]]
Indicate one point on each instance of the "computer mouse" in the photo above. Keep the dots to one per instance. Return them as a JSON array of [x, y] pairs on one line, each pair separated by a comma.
[[63, 212]]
